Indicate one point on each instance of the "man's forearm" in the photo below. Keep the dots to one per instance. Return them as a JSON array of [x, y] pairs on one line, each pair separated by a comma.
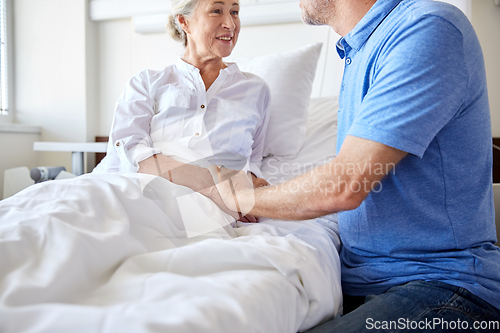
[[337, 186], [308, 196]]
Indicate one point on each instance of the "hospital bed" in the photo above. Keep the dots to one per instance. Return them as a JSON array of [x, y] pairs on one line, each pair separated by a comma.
[[135, 253]]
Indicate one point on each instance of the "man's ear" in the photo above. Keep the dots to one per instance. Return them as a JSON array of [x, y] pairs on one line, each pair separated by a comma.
[[183, 22]]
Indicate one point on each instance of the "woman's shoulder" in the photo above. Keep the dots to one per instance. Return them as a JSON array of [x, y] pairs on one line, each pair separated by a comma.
[[154, 74], [253, 77], [152, 77], [250, 77], [257, 80]]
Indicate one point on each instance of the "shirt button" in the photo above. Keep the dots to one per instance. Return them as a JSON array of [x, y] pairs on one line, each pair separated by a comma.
[[202, 106], [348, 61], [197, 134], [118, 144]]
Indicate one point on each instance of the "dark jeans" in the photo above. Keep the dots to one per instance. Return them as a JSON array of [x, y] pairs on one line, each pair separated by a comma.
[[418, 306]]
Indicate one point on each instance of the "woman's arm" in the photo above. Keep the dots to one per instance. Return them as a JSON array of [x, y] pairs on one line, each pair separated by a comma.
[[185, 174], [129, 138]]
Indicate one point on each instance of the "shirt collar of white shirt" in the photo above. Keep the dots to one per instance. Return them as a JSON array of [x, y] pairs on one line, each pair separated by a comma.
[[187, 68]]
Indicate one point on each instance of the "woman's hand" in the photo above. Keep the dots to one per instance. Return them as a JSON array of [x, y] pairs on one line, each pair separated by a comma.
[[259, 182]]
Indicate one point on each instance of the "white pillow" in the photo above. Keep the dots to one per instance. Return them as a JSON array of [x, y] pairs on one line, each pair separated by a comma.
[[319, 146], [290, 76]]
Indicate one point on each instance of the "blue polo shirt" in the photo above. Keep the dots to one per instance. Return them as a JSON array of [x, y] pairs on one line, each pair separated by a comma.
[[414, 80]]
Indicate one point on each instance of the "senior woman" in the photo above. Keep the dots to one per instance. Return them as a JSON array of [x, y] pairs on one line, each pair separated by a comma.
[[200, 103]]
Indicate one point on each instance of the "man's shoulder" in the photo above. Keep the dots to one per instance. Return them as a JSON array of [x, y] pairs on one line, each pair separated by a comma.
[[418, 10], [417, 22]]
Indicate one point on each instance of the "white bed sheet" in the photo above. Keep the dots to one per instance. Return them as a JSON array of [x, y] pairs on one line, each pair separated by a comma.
[[119, 253]]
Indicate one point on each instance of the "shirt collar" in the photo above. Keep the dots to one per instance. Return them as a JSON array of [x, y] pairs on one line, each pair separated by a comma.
[[183, 66], [362, 31], [186, 68]]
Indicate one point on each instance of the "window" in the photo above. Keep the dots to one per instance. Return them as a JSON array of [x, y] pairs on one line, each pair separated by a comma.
[[4, 69]]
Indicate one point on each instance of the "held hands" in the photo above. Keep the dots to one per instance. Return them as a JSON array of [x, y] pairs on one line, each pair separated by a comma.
[[231, 190], [196, 178], [236, 190], [232, 186]]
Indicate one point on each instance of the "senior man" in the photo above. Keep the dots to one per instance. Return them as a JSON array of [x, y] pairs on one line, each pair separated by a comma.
[[412, 177]]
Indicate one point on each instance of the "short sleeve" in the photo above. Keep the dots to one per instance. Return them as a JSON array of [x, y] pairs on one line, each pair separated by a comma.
[[418, 85]]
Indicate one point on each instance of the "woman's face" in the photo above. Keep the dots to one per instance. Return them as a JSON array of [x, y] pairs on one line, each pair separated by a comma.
[[213, 28]]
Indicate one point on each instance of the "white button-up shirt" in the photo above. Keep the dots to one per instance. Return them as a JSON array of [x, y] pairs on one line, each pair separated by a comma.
[[225, 124]]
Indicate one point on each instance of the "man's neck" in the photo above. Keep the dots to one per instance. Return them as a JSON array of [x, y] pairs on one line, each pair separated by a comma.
[[348, 13]]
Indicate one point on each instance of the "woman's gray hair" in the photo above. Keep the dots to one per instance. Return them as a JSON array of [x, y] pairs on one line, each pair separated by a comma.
[[180, 7]]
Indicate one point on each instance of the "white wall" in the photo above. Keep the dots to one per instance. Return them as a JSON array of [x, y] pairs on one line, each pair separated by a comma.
[[92, 84], [49, 81], [69, 71], [486, 22], [51, 71]]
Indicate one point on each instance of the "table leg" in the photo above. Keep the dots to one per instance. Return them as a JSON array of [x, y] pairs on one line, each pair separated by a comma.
[[77, 163]]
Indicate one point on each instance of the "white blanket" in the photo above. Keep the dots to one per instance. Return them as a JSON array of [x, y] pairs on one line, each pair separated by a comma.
[[135, 253]]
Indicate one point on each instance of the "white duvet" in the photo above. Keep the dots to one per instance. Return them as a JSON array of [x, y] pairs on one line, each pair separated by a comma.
[[135, 253]]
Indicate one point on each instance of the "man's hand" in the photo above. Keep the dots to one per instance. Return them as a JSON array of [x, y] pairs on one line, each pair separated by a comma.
[[257, 182], [235, 188]]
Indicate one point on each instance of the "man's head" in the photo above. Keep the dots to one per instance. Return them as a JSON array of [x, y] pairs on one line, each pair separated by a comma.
[[341, 15]]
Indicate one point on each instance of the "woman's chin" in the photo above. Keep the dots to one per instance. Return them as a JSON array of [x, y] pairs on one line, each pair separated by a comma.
[[226, 52]]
